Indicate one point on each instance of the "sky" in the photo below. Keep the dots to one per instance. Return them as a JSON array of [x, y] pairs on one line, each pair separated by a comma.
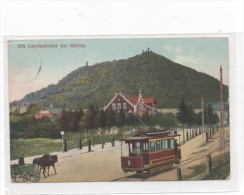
[[31, 68]]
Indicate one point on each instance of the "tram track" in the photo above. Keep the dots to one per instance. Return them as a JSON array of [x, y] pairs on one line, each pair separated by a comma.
[[199, 155], [146, 177]]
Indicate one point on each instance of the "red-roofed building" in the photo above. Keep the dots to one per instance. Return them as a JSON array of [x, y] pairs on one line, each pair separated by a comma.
[[131, 104]]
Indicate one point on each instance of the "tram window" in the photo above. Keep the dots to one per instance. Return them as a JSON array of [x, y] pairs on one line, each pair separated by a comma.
[[162, 144], [138, 147], [172, 143], [166, 144], [132, 148], [158, 144], [145, 146], [152, 146]]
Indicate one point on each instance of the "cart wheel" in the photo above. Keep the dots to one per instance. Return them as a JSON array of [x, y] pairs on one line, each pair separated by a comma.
[[36, 167], [37, 176], [26, 177], [13, 178]]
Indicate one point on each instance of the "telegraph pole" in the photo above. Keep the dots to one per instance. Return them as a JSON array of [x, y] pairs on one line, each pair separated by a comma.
[[203, 116], [221, 112], [202, 121]]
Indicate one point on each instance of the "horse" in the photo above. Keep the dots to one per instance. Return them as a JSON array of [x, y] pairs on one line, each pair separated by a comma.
[[52, 160], [45, 162]]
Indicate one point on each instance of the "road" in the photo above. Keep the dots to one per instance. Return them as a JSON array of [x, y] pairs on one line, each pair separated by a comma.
[[104, 164]]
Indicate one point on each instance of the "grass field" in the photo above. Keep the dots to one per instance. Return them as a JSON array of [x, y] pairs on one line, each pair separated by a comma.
[[39, 146], [220, 172]]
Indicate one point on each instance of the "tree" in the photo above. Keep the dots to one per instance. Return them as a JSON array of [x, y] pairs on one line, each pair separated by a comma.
[[185, 115], [182, 112], [121, 118], [63, 121], [102, 124], [190, 119], [77, 117]]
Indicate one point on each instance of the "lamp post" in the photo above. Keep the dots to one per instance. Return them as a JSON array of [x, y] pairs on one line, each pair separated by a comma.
[[80, 140], [63, 144], [62, 134]]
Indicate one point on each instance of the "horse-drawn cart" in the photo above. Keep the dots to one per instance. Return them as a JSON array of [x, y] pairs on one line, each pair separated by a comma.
[[26, 172]]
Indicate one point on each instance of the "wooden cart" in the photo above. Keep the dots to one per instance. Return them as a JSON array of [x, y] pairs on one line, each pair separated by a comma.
[[26, 172]]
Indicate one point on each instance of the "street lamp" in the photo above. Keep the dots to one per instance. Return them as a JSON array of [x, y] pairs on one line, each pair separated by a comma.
[[80, 140], [62, 133]]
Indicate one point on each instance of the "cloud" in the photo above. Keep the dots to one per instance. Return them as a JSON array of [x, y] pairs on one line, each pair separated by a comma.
[[178, 49], [169, 48], [187, 60]]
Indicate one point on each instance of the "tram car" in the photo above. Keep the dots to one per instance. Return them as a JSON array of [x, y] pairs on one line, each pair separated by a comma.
[[150, 151]]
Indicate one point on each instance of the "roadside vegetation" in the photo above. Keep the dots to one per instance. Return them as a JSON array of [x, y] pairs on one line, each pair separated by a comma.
[[34, 137], [220, 172]]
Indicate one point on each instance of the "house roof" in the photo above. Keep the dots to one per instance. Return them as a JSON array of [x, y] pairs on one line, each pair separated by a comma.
[[54, 110], [133, 99], [122, 96], [149, 100]]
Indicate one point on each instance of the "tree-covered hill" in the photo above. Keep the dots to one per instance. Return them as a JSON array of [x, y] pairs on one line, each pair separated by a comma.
[[158, 76]]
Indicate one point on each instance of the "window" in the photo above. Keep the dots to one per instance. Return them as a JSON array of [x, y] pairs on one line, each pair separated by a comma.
[[124, 105], [114, 106], [158, 144], [138, 147], [152, 146], [162, 143], [145, 146], [119, 106], [172, 143], [132, 148], [166, 144]]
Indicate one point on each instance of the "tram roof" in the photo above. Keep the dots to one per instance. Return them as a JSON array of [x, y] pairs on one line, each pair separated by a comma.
[[140, 136]]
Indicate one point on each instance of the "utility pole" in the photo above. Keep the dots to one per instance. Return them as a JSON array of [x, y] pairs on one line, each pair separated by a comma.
[[202, 122], [203, 116], [221, 112]]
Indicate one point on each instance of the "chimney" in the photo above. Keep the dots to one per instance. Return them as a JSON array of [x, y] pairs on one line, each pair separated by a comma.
[[148, 49], [115, 93], [140, 95], [86, 64]]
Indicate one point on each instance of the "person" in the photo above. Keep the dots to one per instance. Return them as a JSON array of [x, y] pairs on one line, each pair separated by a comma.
[[21, 160], [175, 131], [176, 149]]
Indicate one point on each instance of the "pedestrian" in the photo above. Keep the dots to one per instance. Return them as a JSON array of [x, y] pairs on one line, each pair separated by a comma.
[[22, 160], [175, 131], [176, 149]]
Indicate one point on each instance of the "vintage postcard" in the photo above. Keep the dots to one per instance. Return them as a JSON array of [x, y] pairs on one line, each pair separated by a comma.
[[119, 109]]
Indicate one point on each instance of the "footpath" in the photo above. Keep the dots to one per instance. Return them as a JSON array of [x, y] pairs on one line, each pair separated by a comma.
[[71, 152]]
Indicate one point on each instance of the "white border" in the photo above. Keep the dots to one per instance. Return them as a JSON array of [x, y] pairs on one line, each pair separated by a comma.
[[192, 18]]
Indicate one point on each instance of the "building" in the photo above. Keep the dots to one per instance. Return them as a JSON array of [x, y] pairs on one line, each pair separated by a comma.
[[52, 113], [131, 104], [23, 109], [15, 108]]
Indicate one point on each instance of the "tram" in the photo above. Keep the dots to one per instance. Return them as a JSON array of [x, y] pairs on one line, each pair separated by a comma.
[[150, 151]]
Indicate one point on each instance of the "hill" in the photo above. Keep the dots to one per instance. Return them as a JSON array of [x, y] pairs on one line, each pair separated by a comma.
[[158, 76]]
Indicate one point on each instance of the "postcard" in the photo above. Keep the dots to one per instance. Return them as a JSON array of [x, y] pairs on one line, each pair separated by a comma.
[[119, 109]]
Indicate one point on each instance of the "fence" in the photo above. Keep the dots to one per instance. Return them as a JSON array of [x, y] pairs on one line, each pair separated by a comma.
[[209, 158]]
